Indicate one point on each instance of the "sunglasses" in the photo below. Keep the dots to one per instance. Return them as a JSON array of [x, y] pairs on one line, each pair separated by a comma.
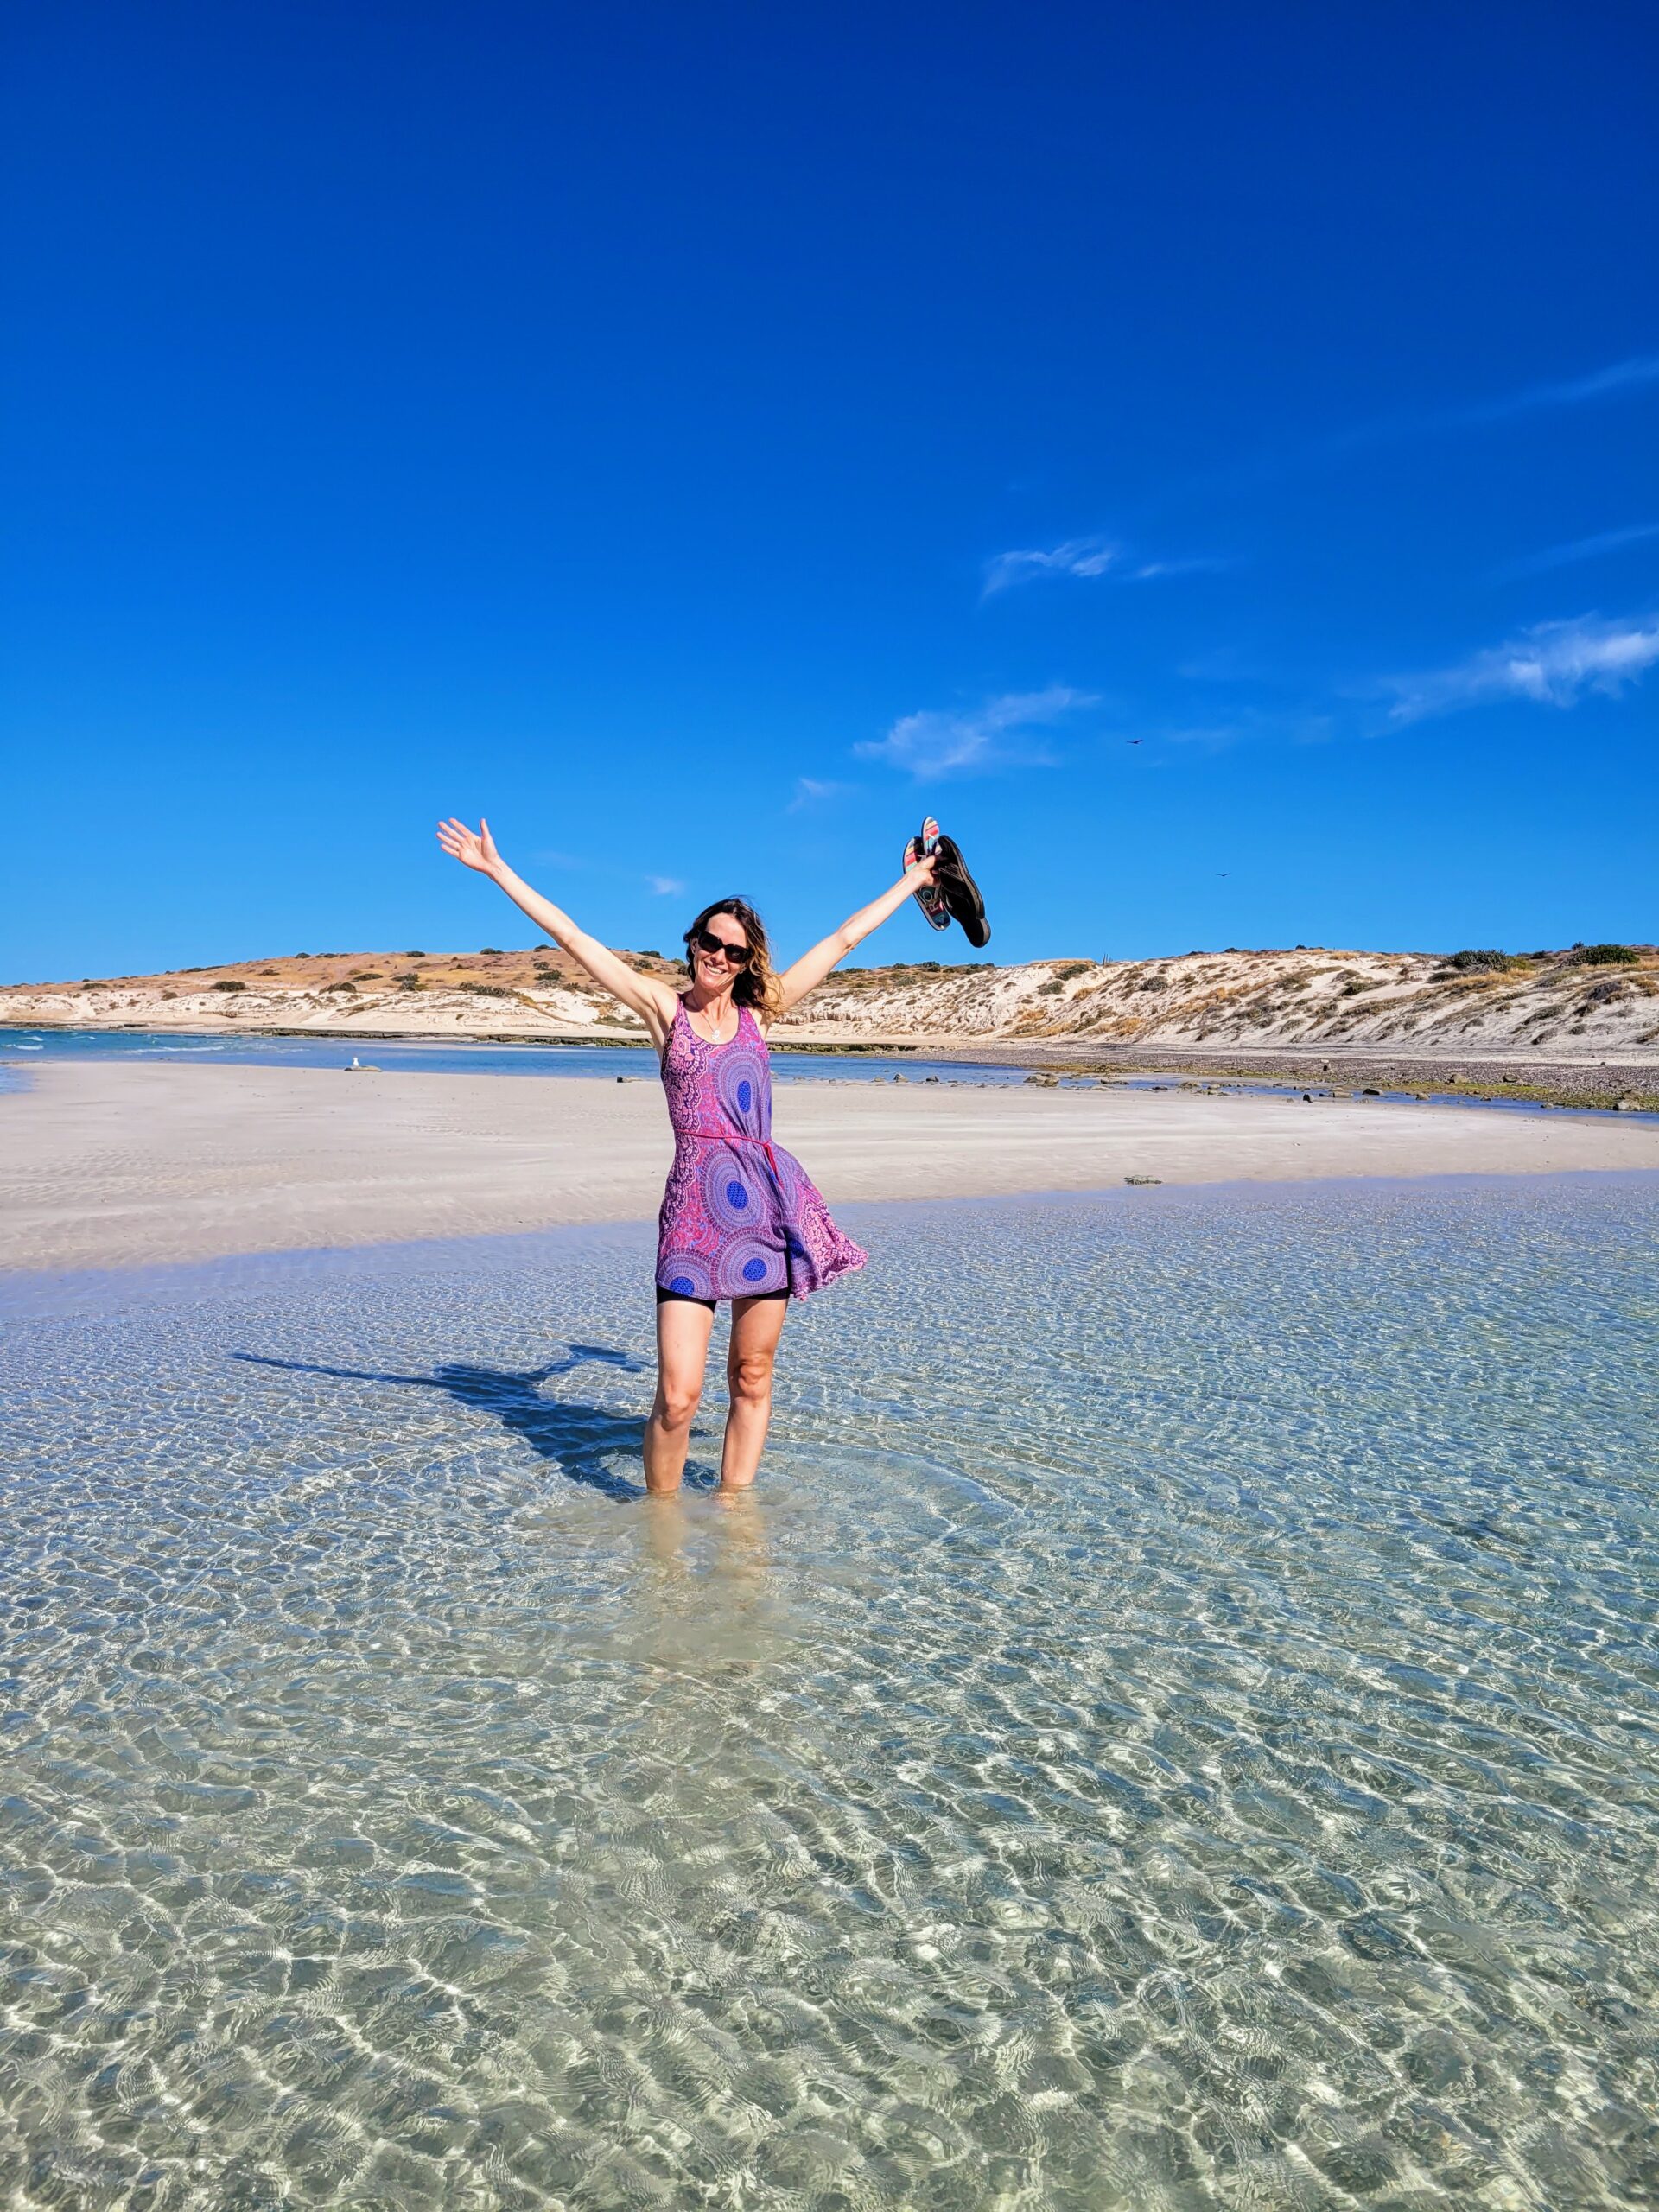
[[706, 941]]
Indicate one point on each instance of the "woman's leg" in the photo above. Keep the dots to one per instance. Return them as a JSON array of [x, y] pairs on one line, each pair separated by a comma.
[[683, 1330], [757, 1323]]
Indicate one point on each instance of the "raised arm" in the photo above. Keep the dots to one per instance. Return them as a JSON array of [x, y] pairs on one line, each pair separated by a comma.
[[810, 971], [653, 1001]]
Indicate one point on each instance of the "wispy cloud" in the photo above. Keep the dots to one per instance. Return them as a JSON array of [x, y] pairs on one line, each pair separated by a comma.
[[1080, 557], [1575, 391], [1581, 549], [814, 791], [1553, 663], [1531, 399], [1193, 565], [999, 733], [665, 886], [1618, 378]]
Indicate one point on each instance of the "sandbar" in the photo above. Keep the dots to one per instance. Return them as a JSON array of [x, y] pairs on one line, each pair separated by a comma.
[[118, 1164]]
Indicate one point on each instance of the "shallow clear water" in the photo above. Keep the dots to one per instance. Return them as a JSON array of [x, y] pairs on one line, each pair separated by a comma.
[[1196, 1748], [28, 1048], [23, 1050]]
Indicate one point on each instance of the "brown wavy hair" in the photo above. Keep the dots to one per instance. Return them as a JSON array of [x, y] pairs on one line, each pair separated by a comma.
[[756, 987]]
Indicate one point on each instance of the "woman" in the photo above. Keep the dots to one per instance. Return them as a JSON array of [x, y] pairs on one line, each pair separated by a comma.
[[740, 1218]]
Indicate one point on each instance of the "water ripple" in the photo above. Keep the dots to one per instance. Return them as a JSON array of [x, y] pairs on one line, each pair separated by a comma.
[[1175, 1727]]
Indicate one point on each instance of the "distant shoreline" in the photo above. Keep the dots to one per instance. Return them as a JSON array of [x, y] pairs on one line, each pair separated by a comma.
[[572, 1040], [1551, 1020], [1550, 1080]]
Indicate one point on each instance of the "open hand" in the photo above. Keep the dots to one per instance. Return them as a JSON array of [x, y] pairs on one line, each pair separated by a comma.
[[473, 848]]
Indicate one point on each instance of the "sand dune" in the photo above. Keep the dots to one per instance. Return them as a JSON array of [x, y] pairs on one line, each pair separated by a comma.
[[1565, 1004]]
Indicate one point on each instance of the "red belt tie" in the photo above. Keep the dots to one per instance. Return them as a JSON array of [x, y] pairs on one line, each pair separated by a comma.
[[738, 1136]]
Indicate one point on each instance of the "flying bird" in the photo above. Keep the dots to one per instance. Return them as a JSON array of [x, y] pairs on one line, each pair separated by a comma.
[[1221, 874], [1136, 741]]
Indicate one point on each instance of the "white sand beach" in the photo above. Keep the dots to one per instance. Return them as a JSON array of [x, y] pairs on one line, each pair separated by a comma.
[[107, 1164]]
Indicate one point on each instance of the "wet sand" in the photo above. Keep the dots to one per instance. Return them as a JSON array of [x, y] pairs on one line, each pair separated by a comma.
[[107, 1165]]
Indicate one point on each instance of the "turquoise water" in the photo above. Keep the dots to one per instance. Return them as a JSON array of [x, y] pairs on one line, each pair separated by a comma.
[[1175, 1726], [23, 1050], [28, 1048]]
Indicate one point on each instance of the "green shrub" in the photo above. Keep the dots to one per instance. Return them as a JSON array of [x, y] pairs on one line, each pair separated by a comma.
[[1605, 956], [488, 990], [230, 983], [341, 985], [1465, 963], [490, 951], [410, 983]]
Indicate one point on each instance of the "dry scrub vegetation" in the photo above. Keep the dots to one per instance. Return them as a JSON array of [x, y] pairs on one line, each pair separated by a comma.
[[1573, 1000], [1576, 1002]]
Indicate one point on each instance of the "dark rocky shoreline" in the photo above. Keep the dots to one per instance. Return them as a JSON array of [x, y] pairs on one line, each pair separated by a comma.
[[1558, 1082]]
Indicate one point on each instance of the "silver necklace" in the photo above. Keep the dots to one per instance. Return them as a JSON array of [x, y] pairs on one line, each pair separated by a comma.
[[718, 1038]]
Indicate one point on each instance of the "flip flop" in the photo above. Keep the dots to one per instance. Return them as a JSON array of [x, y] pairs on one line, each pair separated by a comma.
[[929, 897], [961, 899]]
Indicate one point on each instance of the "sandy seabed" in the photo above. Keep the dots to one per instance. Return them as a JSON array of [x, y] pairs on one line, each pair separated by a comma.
[[108, 1165], [1172, 1727]]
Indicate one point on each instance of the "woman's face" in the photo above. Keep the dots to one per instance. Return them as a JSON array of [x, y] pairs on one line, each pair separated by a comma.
[[713, 967]]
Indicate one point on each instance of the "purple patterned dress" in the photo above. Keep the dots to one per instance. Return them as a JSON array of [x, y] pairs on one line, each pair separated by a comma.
[[740, 1216]]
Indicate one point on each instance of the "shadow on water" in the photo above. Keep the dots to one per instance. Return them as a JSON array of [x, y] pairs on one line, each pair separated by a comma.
[[576, 1439]]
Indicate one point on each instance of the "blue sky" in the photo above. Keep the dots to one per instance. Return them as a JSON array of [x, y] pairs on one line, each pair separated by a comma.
[[1206, 455]]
